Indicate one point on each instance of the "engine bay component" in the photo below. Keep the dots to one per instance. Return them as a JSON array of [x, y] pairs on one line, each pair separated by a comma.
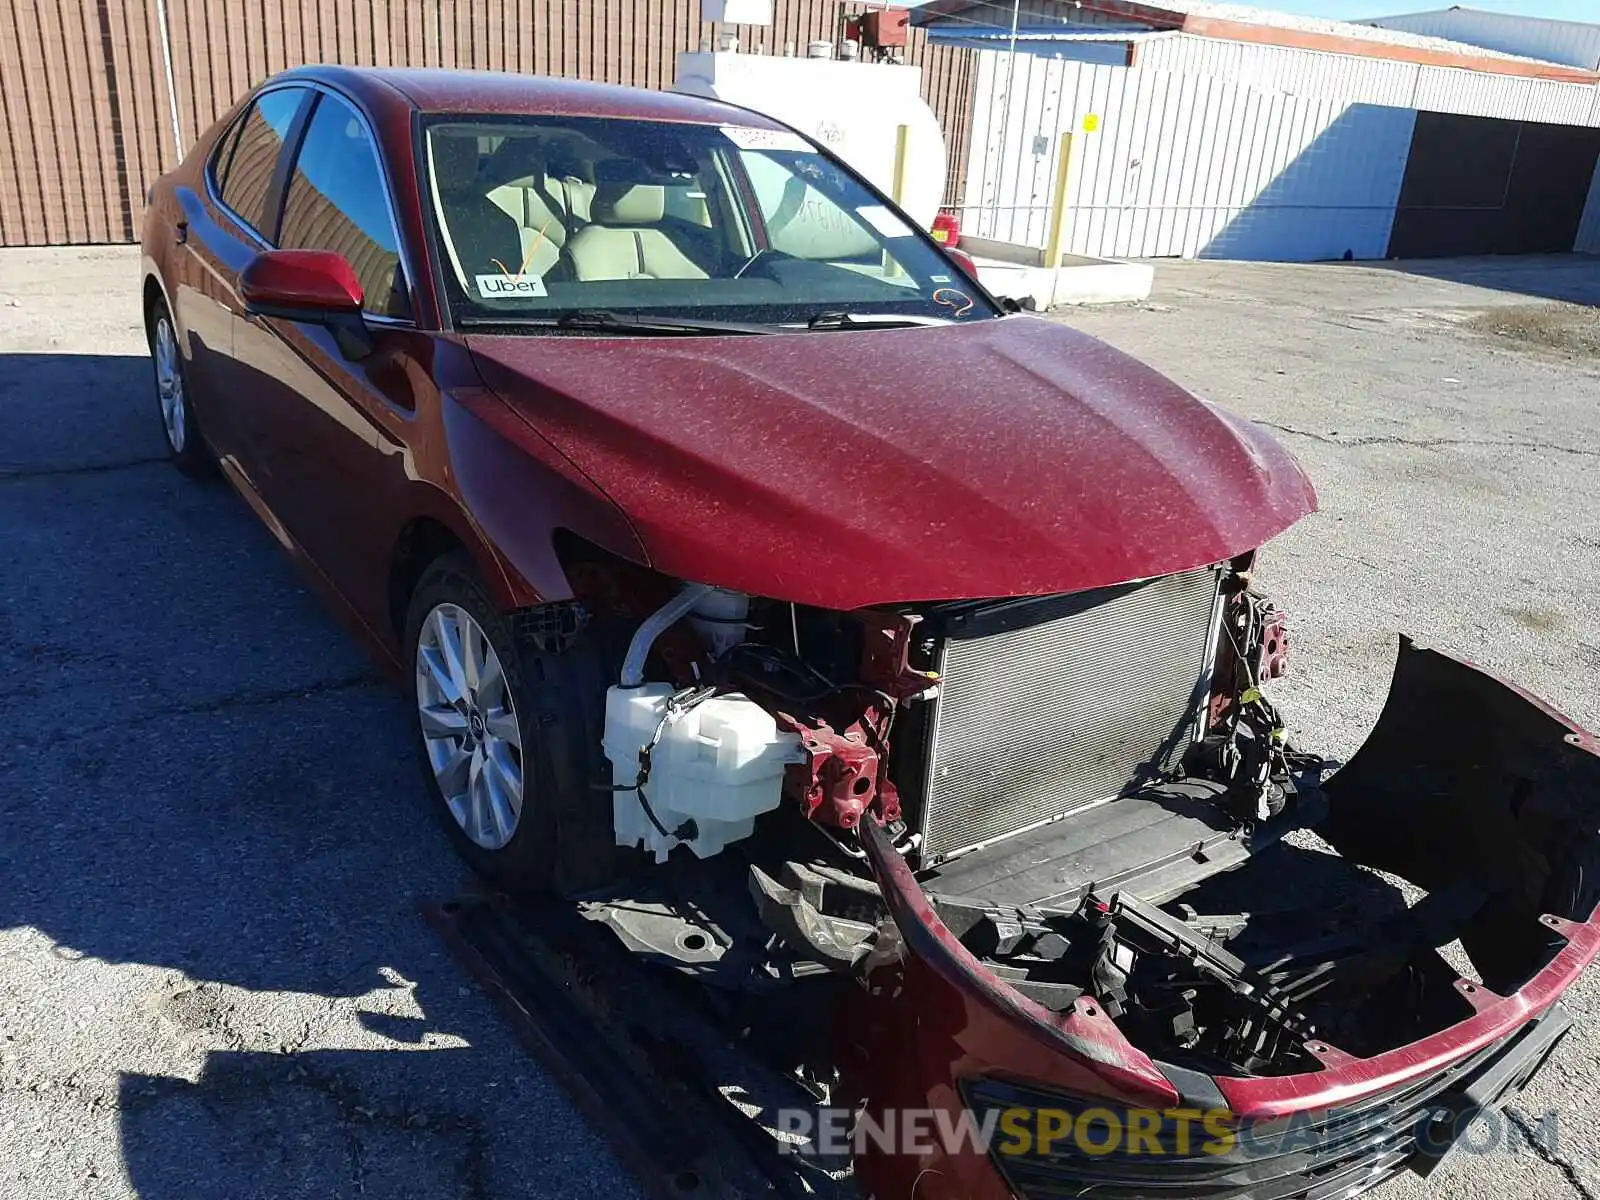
[[719, 618], [1047, 705], [793, 909], [1065, 816], [653, 626], [692, 769]]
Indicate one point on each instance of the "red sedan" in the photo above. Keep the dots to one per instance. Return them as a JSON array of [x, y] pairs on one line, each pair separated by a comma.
[[740, 552]]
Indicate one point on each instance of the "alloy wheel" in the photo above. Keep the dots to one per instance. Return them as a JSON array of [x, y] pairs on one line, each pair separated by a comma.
[[169, 384], [469, 726]]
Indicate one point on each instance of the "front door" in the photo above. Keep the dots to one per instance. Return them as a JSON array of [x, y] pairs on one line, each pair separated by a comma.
[[335, 426]]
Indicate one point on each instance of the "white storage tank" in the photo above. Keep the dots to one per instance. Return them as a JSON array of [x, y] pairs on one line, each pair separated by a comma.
[[852, 108], [718, 765]]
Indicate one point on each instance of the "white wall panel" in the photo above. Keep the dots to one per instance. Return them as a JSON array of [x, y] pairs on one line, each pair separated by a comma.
[[1376, 81], [1286, 69], [1209, 148], [1451, 90], [1185, 164]]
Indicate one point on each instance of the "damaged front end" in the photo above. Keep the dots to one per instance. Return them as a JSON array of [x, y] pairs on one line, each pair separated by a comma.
[[1344, 1024], [1020, 859]]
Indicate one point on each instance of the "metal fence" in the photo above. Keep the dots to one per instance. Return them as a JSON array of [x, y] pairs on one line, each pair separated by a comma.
[[99, 97]]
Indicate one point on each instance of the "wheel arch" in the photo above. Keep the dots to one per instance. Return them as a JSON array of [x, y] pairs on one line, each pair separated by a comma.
[[153, 292], [589, 570], [423, 539]]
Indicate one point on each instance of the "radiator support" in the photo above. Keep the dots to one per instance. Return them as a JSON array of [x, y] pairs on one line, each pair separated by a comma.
[[1048, 705]]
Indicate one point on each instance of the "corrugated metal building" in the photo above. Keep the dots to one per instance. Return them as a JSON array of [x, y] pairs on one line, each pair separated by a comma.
[[1574, 43], [1571, 42], [1238, 133], [99, 97]]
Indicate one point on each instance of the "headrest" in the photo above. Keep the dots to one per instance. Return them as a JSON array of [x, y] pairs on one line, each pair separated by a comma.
[[517, 158], [628, 204]]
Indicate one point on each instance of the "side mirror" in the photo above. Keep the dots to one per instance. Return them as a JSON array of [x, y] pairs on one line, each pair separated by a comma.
[[318, 286], [963, 260]]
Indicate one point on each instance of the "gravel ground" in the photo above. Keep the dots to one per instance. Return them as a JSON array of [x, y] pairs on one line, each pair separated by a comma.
[[213, 981]]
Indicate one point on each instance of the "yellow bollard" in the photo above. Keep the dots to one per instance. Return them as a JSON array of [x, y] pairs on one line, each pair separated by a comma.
[[902, 143], [1058, 214]]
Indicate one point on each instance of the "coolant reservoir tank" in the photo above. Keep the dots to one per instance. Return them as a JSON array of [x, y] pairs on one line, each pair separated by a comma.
[[715, 768], [719, 618]]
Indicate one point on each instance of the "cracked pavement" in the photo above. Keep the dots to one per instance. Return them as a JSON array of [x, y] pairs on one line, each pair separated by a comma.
[[213, 981]]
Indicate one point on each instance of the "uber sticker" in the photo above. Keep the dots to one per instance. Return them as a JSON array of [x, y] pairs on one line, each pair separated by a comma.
[[746, 138], [508, 287]]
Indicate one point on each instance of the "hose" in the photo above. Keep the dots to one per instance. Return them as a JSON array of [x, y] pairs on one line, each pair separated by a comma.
[[657, 623]]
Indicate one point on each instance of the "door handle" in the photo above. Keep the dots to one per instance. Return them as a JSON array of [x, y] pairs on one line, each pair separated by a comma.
[[183, 232]]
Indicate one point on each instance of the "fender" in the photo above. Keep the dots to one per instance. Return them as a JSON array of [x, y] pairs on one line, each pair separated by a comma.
[[522, 490]]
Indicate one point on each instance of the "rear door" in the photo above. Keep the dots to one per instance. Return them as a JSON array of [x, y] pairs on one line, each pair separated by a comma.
[[335, 428], [222, 231]]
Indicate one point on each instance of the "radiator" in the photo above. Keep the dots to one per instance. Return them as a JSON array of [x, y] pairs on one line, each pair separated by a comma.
[[1048, 705]]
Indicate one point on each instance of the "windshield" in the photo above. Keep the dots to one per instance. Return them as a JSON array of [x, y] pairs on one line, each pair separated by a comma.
[[541, 217]]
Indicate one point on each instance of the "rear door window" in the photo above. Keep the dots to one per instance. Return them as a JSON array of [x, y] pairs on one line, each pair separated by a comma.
[[338, 201], [244, 181]]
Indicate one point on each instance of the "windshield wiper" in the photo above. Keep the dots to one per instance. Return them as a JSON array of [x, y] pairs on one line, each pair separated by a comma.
[[601, 320], [850, 320]]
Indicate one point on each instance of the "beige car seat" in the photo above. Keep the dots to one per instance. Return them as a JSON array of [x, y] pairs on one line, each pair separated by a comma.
[[624, 240], [527, 193], [579, 195], [480, 236], [540, 216]]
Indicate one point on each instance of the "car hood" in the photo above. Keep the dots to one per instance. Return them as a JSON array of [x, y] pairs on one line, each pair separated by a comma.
[[1006, 457]]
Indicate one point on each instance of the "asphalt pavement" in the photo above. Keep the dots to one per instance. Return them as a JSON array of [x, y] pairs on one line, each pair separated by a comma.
[[213, 841], [213, 838]]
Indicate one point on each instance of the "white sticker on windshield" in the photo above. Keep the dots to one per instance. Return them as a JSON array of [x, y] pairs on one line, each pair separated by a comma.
[[746, 138], [510, 287], [885, 222]]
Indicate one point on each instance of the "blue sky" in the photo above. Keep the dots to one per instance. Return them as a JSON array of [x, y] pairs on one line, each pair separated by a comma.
[[1570, 10]]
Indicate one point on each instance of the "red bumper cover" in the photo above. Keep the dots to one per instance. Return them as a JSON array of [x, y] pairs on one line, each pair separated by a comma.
[[1465, 777]]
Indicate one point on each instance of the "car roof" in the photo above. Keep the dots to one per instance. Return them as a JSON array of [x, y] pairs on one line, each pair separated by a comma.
[[432, 90]]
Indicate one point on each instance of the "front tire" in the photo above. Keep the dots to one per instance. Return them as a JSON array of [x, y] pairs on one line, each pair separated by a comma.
[[508, 734], [185, 447]]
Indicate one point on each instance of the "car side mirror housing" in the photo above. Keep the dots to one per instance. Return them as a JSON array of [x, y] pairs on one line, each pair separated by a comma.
[[969, 268], [963, 260], [318, 286]]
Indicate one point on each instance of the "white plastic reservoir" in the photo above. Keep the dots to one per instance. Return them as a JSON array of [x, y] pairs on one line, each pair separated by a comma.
[[852, 108], [719, 764]]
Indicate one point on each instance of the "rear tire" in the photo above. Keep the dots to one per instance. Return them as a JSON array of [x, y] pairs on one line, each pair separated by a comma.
[[553, 698], [185, 446]]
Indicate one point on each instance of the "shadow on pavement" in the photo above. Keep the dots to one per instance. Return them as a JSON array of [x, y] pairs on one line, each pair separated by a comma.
[[1574, 278], [203, 775]]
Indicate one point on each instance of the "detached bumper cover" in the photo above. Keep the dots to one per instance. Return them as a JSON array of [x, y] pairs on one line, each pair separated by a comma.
[[1465, 778]]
